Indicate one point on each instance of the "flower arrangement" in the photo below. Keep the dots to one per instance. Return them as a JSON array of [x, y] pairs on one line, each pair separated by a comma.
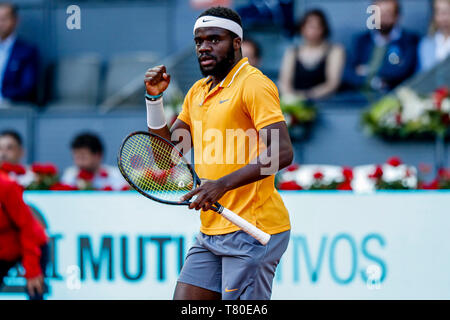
[[15, 169], [391, 175], [299, 115], [441, 181], [45, 176], [405, 114]]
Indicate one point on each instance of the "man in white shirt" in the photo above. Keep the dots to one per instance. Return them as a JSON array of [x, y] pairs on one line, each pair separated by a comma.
[[89, 173]]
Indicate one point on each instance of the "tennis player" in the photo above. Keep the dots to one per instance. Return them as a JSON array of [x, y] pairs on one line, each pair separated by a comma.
[[234, 97]]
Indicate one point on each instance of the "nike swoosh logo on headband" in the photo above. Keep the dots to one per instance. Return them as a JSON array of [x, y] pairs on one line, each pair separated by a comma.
[[206, 20]]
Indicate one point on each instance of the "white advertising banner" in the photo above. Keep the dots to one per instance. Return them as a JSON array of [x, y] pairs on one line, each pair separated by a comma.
[[120, 245]]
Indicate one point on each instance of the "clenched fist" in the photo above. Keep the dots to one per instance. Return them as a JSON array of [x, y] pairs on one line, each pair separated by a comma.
[[156, 80]]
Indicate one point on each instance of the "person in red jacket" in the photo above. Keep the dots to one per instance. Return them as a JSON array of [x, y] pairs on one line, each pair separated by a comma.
[[22, 238]]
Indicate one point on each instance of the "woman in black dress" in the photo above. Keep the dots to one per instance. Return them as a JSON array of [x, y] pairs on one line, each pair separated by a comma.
[[313, 69]]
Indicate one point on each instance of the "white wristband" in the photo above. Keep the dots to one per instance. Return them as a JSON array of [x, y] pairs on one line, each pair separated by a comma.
[[156, 119]]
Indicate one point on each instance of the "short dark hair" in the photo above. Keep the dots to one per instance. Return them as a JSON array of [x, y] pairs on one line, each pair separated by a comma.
[[12, 7], [13, 134], [398, 7], [223, 12], [88, 140], [323, 20]]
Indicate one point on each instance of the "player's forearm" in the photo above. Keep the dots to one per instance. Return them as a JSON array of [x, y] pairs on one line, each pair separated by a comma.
[[162, 132], [266, 164]]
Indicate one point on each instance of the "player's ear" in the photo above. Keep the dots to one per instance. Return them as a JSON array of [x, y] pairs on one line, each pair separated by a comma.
[[237, 43]]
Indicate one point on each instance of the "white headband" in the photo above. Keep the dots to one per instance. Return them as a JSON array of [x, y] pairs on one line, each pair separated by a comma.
[[211, 21]]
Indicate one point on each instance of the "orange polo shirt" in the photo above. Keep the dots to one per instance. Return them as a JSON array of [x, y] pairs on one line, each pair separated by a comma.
[[224, 125]]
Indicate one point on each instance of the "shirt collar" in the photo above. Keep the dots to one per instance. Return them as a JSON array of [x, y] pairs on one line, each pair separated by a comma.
[[440, 38], [225, 83], [8, 41], [394, 35]]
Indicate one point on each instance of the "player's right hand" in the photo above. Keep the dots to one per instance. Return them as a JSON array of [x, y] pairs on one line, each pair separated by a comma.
[[156, 80]]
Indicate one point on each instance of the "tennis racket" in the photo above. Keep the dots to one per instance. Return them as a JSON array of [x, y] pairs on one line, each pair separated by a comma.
[[156, 169]]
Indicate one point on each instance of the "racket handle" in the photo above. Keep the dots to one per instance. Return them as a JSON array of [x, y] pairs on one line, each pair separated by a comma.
[[246, 226]]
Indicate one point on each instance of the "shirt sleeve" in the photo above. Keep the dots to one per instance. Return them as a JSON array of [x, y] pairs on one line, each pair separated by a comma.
[[31, 234], [262, 102]]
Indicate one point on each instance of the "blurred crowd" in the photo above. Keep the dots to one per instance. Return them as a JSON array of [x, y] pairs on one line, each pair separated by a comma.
[[316, 68], [87, 173], [380, 59]]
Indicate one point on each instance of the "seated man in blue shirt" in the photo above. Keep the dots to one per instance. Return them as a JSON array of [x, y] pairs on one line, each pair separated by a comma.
[[384, 57], [18, 60]]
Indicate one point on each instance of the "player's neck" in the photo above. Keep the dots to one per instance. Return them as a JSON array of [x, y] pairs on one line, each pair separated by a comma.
[[216, 79]]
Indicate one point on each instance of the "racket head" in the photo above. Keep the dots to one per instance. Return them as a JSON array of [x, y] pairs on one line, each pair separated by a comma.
[[154, 167]]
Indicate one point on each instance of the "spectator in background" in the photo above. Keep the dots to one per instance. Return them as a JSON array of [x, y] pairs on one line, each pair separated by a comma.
[[269, 12], [313, 69], [11, 155], [252, 51], [385, 57], [435, 47], [22, 239], [18, 60], [89, 172]]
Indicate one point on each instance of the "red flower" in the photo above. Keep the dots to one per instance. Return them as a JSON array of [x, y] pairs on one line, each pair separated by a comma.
[[346, 185], [44, 168], [377, 174], [444, 173], [61, 187], [347, 172], [439, 95], [292, 167], [289, 185], [125, 188], [103, 173], [15, 168], [107, 188], [394, 161], [318, 175], [445, 119], [85, 175], [398, 119], [433, 185]]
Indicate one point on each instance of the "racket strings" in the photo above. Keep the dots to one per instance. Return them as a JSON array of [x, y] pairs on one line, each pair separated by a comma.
[[155, 167]]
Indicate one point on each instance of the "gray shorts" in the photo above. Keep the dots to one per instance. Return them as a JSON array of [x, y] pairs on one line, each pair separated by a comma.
[[234, 264]]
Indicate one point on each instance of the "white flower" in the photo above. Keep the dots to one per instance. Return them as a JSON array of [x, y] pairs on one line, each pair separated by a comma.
[[413, 110], [305, 174], [445, 106], [361, 182], [392, 174], [289, 98], [389, 121], [413, 107]]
